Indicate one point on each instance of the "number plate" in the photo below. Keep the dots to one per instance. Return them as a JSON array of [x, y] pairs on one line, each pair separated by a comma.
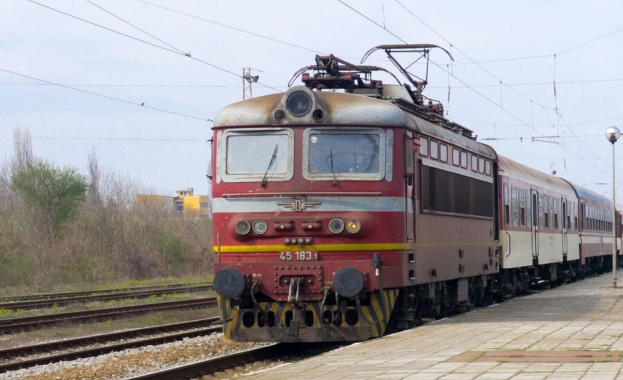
[[298, 256]]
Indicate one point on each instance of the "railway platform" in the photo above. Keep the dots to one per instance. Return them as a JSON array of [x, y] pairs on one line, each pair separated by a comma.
[[571, 332]]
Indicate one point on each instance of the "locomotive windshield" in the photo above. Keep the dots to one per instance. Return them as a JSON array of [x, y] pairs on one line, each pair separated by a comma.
[[256, 155], [266, 154], [344, 153]]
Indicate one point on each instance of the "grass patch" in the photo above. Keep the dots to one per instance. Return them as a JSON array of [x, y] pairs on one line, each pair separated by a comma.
[[7, 314], [83, 287]]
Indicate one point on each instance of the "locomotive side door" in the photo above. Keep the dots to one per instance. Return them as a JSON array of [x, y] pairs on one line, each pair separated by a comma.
[[411, 147], [536, 211], [565, 226]]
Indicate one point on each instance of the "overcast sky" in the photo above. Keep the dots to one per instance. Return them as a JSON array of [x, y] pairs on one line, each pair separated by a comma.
[[139, 81]]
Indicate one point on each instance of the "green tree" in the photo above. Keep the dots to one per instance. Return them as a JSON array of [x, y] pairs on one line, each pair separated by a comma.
[[56, 193]]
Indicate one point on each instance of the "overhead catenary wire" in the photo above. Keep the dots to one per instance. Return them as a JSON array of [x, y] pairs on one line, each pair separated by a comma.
[[463, 82], [134, 26], [165, 48], [140, 104], [230, 27], [384, 27]]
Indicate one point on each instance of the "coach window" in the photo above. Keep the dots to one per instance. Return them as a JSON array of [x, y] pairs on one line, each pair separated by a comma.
[[423, 146], [528, 218], [522, 208], [456, 157], [464, 160], [599, 220], [514, 205], [443, 153], [545, 212], [474, 163], [434, 150], [589, 217], [481, 165], [488, 167], [506, 206], [591, 225], [556, 212]]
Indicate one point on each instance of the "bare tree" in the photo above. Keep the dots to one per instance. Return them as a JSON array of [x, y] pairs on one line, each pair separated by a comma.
[[22, 150], [22, 157], [93, 196]]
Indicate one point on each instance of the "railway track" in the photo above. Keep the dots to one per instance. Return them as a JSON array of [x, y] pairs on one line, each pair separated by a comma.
[[61, 299], [218, 363], [168, 333], [28, 323]]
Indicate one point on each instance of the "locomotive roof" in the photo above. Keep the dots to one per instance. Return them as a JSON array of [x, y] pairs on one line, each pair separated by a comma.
[[341, 109], [514, 169]]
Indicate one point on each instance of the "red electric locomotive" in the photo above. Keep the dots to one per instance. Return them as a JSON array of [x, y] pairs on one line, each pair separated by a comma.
[[340, 214]]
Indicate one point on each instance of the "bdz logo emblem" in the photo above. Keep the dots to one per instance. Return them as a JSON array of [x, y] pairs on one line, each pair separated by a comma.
[[297, 204]]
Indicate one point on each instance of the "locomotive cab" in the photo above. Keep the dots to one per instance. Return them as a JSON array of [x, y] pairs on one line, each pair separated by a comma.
[[300, 204], [316, 197]]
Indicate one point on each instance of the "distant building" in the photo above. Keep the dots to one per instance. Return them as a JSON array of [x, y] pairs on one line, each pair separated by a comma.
[[186, 203]]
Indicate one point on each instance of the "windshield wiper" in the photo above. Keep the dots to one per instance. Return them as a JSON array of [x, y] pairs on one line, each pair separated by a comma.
[[272, 161], [332, 168]]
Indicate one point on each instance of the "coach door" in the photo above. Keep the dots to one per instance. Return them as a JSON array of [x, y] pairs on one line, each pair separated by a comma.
[[565, 226], [536, 209]]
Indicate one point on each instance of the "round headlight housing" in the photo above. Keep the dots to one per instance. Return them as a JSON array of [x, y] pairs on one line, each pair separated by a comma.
[[353, 225], [336, 226], [243, 227], [260, 227], [299, 103]]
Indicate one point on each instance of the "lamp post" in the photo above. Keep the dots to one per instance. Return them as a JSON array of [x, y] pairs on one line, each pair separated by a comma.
[[613, 134]]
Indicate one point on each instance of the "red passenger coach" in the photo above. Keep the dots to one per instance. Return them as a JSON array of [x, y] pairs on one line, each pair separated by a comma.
[[338, 215], [538, 227], [595, 228]]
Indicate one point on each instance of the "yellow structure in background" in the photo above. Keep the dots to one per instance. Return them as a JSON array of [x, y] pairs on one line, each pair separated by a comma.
[[193, 206], [186, 203]]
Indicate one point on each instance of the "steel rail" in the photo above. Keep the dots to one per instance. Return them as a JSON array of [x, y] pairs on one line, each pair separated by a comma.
[[216, 364], [102, 339], [33, 297], [43, 303], [28, 323]]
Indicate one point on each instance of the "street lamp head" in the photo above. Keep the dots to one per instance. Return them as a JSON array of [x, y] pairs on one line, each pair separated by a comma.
[[613, 134]]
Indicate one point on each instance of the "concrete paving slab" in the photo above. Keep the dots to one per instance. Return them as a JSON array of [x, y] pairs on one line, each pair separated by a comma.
[[570, 332]]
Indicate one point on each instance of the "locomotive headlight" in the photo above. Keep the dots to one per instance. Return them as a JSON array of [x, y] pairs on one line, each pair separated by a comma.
[[260, 227], [353, 225], [243, 227], [336, 226], [299, 103]]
